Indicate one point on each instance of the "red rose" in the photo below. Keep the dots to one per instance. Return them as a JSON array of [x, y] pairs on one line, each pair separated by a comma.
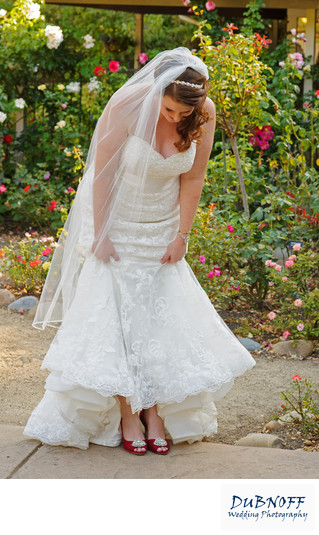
[[114, 66], [52, 206], [36, 262], [99, 71], [7, 139], [27, 188]]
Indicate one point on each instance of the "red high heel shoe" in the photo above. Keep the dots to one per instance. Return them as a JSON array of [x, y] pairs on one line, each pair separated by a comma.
[[131, 445], [154, 443]]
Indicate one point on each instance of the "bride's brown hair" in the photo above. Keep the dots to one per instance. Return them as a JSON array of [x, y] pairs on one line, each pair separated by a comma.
[[190, 128]]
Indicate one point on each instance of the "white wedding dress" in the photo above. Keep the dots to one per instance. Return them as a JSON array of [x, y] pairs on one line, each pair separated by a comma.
[[138, 328]]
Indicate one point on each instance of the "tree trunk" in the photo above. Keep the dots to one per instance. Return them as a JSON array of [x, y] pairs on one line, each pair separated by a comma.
[[233, 141]]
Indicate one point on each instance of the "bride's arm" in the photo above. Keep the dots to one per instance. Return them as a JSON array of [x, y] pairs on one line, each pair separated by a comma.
[[191, 185], [111, 134]]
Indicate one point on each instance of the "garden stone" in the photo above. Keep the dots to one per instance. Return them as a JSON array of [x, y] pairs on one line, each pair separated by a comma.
[[249, 344], [6, 298], [302, 348], [290, 417], [25, 303], [273, 425], [260, 440]]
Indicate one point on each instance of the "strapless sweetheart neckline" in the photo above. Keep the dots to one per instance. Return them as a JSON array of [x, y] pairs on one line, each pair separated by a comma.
[[158, 153]]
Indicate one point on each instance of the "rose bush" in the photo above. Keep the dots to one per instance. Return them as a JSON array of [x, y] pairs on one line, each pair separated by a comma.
[[28, 262], [295, 293]]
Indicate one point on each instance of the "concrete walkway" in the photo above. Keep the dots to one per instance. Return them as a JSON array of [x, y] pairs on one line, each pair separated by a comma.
[[23, 458]]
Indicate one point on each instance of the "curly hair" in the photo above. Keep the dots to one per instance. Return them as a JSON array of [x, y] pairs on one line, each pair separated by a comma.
[[190, 128]]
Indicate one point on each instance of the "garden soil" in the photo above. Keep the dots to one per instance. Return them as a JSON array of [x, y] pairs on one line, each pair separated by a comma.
[[253, 401]]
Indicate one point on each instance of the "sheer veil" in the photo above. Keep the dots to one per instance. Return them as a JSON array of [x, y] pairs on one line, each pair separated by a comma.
[[132, 111]]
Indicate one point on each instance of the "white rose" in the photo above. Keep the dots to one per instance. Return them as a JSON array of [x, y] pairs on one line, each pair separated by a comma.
[[2, 12], [60, 124], [20, 103], [3, 117], [88, 41], [31, 10], [94, 85], [54, 35], [73, 87]]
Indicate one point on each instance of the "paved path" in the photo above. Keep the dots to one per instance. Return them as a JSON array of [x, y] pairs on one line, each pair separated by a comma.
[[23, 458]]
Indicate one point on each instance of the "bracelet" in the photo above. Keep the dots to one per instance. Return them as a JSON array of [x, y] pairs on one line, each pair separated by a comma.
[[183, 232], [185, 237]]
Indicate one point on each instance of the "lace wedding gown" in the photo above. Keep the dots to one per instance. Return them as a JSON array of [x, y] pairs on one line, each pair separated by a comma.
[[140, 329]]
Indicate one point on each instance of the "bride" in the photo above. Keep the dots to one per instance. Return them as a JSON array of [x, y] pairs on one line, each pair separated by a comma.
[[140, 354]]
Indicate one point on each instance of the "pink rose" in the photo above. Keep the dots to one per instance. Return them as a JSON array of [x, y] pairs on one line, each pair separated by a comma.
[[278, 267], [230, 228], [300, 327], [210, 6], [296, 247], [2, 188], [211, 274], [235, 287], [292, 257], [298, 303], [268, 263], [284, 279], [289, 263], [114, 66], [143, 58], [202, 259], [285, 334], [273, 264], [272, 315], [46, 251], [296, 378]]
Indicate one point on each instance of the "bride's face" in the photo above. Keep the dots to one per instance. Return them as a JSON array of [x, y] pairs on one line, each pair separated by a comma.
[[174, 111]]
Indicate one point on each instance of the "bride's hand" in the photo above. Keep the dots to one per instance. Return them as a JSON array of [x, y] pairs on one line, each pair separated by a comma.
[[105, 250], [175, 251]]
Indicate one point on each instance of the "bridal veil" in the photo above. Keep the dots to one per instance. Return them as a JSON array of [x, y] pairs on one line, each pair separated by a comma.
[[133, 110]]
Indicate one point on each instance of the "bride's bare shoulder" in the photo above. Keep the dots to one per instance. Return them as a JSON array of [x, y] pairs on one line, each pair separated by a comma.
[[209, 106]]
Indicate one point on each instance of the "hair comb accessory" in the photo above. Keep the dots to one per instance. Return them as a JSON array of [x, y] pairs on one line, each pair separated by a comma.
[[197, 86]]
